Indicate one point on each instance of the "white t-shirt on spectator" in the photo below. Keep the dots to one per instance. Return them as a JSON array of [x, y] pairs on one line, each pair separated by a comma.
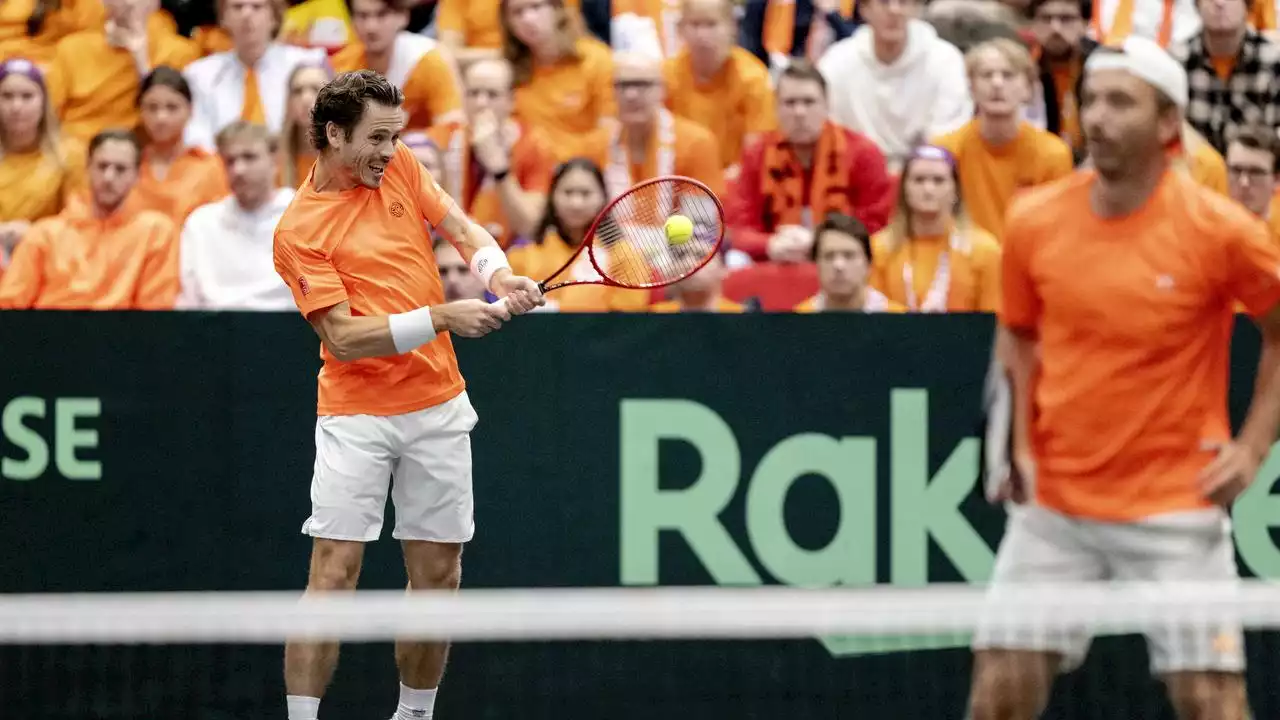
[[924, 93], [226, 257]]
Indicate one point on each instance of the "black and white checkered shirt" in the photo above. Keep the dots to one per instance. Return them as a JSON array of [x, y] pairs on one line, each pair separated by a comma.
[[1251, 96]]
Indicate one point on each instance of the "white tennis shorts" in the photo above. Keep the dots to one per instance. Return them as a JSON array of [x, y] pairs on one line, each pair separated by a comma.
[[428, 453], [1043, 546]]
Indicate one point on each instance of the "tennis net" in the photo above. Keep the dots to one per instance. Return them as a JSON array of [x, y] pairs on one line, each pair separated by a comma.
[[875, 652]]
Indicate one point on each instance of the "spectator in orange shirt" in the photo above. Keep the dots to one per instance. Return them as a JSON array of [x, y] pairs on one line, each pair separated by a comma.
[[564, 82], [998, 152], [842, 252], [31, 29], [577, 196], [717, 84], [498, 168], [1061, 46], [648, 141], [794, 176], [174, 179], [297, 153], [103, 254], [701, 291], [422, 69], [471, 29], [95, 74], [1253, 161], [931, 258], [39, 170]]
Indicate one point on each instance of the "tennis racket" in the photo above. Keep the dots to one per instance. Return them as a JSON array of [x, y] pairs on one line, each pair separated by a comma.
[[627, 245]]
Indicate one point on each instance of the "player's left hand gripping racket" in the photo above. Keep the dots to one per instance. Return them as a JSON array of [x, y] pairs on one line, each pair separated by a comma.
[[627, 246]]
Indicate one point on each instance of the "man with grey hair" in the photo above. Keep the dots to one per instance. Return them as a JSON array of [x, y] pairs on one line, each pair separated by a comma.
[[1119, 286]]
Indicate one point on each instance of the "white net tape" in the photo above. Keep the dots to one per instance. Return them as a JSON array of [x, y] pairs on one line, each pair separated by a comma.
[[628, 613]]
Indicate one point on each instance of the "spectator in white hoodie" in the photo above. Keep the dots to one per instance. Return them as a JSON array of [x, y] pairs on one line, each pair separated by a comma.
[[895, 80]]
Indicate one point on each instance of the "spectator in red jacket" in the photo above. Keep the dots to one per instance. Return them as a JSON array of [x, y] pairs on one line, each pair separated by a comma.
[[792, 177]]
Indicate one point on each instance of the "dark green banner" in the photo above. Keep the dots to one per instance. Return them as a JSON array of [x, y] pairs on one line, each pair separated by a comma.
[[174, 452]]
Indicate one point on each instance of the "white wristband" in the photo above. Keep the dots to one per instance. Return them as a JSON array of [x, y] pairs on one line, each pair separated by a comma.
[[487, 261], [411, 330]]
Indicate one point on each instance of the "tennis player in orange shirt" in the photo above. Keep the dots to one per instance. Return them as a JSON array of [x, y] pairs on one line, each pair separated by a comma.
[[357, 255], [1115, 325]]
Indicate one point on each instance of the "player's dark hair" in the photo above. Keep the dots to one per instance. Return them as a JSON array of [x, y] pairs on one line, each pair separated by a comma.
[[116, 135], [343, 100], [1260, 137], [164, 76], [838, 222], [550, 218], [803, 71]]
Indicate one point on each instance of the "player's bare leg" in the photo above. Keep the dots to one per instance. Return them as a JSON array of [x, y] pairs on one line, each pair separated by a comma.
[[309, 666], [1011, 684], [1207, 695], [431, 566]]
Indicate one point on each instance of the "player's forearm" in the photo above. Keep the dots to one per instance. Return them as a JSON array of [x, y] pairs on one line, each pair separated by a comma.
[[352, 338], [1261, 424]]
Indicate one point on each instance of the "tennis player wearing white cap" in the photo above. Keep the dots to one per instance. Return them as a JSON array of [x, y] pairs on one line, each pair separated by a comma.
[[1116, 319]]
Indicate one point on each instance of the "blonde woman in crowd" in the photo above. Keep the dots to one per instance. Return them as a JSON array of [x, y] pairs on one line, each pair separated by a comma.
[[563, 81], [931, 258], [577, 196], [296, 153], [174, 178], [39, 170]]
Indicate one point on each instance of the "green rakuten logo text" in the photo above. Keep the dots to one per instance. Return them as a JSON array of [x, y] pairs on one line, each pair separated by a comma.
[[921, 506]]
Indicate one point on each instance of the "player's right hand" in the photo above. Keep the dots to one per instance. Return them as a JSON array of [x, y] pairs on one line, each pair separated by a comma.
[[473, 318]]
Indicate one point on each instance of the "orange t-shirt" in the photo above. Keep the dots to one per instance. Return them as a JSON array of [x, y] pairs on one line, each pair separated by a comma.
[[1066, 76], [538, 261], [1134, 320], [531, 164], [567, 101], [430, 90], [991, 175], [372, 249], [196, 177], [71, 17], [666, 307], [736, 103], [94, 86], [695, 153], [973, 283], [478, 22], [37, 185], [75, 261]]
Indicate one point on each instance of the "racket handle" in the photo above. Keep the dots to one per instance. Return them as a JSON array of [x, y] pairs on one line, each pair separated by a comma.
[[500, 301]]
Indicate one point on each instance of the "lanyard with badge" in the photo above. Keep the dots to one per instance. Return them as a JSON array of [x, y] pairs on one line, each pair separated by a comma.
[[935, 299]]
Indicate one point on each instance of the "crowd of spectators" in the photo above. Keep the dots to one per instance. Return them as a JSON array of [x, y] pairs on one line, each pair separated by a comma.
[[864, 151]]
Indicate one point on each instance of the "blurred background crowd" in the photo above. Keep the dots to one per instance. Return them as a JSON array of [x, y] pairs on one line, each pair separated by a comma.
[[864, 150]]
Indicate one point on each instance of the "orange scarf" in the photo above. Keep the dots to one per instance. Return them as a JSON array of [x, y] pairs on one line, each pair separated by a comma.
[[780, 28], [784, 180], [1122, 24]]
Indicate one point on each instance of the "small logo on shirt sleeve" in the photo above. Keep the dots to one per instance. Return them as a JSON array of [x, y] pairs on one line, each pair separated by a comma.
[[397, 210], [304, 286]]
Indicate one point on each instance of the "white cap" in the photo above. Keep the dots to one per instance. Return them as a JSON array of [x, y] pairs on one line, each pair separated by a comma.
[[1144, 59]]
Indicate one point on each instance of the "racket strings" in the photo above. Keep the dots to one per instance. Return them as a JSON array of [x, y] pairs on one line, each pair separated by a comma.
[[630, 246]]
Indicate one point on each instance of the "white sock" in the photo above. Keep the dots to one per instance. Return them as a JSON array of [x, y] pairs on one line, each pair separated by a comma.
[[415, 704], [302, 707]]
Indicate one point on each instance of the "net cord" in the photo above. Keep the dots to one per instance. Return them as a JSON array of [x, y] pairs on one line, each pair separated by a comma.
[[624, 613]]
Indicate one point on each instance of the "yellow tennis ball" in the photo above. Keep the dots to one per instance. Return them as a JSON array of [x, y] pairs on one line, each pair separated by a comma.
[[679, 229]]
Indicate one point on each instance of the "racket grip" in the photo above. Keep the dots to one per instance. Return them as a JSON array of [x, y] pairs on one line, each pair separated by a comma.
[[499, 301]]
